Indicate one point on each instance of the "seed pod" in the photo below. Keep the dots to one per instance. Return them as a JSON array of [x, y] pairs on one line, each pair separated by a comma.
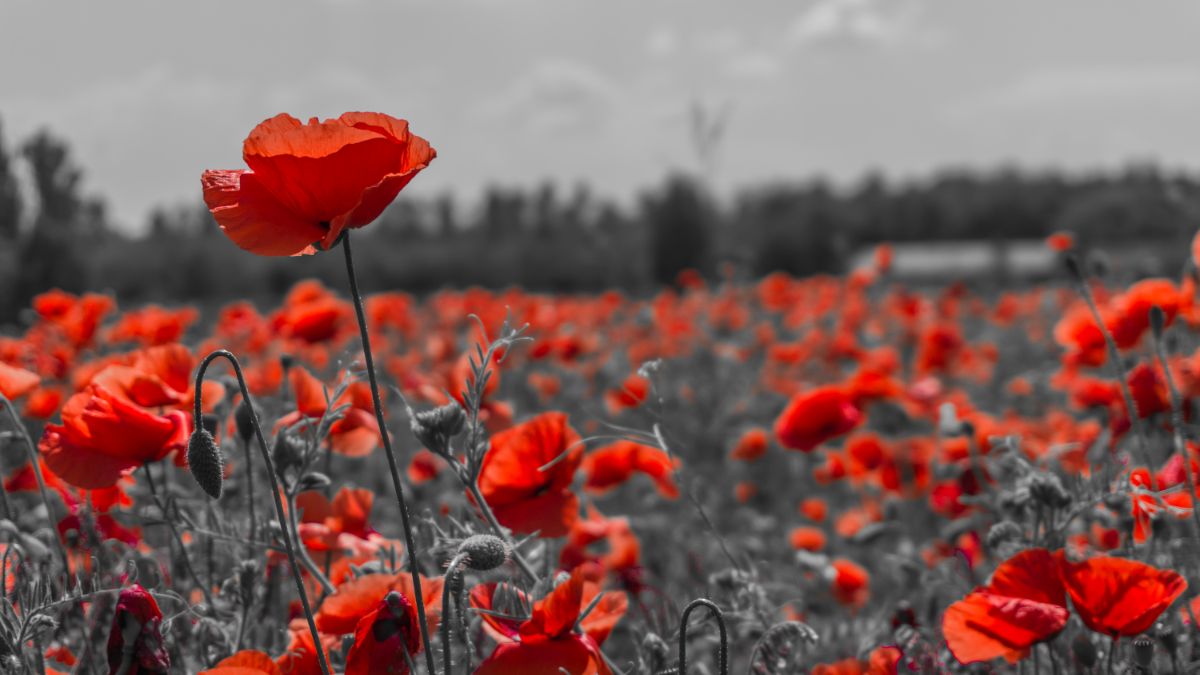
[[484, 552], [1003, 532], [1143, 651], [206, 463]]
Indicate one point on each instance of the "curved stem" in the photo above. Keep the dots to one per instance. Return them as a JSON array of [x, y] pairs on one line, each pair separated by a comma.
[[283, 520], [683, 625], [41, 480], [409, 542]]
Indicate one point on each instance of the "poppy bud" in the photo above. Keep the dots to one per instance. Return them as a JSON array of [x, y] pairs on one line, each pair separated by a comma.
[[286, 452], [243, 417], [1048, 490], [313, 480], [1084, 650], [434, 428], [1002, 533], [484, 552], [1143, 652], [1071, 261], [205, 462], [904, 615], [1168, 638]]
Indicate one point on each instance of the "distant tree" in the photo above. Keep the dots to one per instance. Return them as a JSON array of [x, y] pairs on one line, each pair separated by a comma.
[[10, 196], [51, 255], [679, 218]]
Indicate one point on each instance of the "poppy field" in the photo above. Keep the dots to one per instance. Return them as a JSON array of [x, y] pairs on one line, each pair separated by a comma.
[[828, 475]]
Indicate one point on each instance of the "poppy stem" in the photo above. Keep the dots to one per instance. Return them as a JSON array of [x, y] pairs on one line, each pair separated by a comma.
[[499, 531], [683, 626], [447, 593], [187, 559], [41, 480], [1114, 356], [1112, 654], [409, 541], [283, 519], [1180, 446]]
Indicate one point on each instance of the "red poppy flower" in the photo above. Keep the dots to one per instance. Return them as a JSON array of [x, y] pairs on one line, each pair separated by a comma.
[[805, 538], [1060, 242], [16, 382], [383, 636], [138, 621], [623, 558], [1117, 596], [356, 434], [851, 583], [630, 394], [245, 662], [751, 446], [160, 376], [1024, 604], [341, 612], [341, 525], [814, 417], [614, 464], [546, 643], [523, 497], [104, 436], [309, 182]]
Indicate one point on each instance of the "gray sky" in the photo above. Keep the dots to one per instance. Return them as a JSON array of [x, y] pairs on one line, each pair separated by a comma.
[[150, 93]]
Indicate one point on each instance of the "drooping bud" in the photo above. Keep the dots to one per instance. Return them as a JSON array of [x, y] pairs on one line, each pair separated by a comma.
[[434, 428], [484, 552], [206, 462], [243, 417], [1158, 321], [1047, 489]]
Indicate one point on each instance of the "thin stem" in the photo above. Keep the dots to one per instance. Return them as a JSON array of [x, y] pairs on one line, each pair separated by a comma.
[[266, 455], [409, 540], [306, 560], [31, 451], [187, 559], [1114, 356], [1177, 431], [447, 662], [683, 626], [499, 531], [250, 488]]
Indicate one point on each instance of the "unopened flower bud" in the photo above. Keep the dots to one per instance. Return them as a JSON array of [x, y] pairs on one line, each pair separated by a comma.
[[205, 462], [434, 428], [1002, 533], [286, 452], [484, 552], [243, 417], [1158, 321], [1143, 651], [1047, 489], [1166, 635]]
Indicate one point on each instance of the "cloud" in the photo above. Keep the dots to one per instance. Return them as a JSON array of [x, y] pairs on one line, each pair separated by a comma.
[[854, 21], [1072, 87], [556, 96]]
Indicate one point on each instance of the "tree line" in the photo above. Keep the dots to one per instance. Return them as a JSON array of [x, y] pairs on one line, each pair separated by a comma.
[[53, 234]]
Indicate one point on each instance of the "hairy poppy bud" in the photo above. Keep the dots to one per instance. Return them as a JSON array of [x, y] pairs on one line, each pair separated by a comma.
[[286, 452], [1084, 650], [484, 552], [1143, 652], [205, 462], [1047, 489], [243, 417], [434, 428], [1002, 533]]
